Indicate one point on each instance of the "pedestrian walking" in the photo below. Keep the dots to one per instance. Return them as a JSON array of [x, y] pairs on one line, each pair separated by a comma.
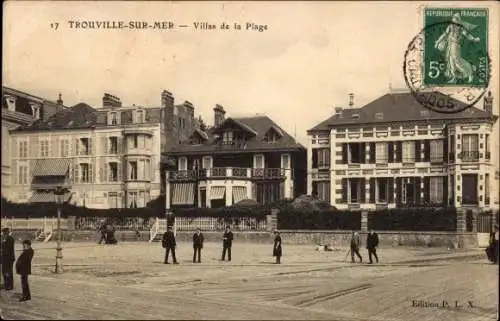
[[277, 251], [169, 244], [197, 245], [494, 244], [355, 243], [371, 245], [102, 230], [23, 268], [227, 243], [8, 258]]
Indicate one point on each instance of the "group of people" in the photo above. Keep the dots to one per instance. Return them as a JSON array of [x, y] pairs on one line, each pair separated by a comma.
[[107, 233], [169, 244], [23, 264], [371, 246]]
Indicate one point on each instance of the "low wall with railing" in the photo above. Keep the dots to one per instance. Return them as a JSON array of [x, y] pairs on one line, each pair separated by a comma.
[[47, 223]]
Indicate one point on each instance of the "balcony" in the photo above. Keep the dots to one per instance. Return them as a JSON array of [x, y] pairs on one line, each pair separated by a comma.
[[227, 173], [469, 156], [231, 144]]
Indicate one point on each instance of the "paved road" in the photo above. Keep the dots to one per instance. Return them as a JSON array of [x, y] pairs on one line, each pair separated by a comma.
[[106, 282]]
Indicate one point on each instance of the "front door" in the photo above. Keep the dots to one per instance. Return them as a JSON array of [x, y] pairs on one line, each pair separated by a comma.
[[203, 197], [469, 189]]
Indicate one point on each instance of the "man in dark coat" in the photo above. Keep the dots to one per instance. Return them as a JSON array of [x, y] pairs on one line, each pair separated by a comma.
[[169, 244], [102, 230], [227, 243], [23, 268], [277, 252], [355, 243], [197, 245], [8, 258], [494, 244], [371, 245]]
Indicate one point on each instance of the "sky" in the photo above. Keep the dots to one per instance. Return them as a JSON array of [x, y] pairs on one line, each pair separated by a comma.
[[309, 59]]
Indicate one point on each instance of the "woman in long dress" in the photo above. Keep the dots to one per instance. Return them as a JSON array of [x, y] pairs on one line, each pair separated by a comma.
[[277, 252], [449, 42]]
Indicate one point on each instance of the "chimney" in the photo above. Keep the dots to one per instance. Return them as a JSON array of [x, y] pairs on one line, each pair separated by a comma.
[[60, 101], [110, 101], [488, 103], [218, 115], [351, 99]]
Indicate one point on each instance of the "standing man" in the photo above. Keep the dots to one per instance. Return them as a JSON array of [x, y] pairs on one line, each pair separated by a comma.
[[495, 244], [169, 244], [371, 245], [8, 258], [355, 243], [227, 243], [197, 245], [277, 252], [102, 230], [23, 268]]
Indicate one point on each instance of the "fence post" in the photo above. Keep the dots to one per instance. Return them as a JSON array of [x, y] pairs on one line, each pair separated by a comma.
[[364, 221], [461, 220]]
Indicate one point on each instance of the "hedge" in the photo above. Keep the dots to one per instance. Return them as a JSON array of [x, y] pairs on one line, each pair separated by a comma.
[[294, 219], [417, 219]]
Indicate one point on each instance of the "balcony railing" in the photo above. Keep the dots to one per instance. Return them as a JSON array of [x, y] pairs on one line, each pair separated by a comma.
[[469, 156], [231, 144], [228, 172]]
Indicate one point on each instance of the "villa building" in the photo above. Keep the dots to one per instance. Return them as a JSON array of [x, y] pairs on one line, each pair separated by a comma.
[[20, 109], [108, 157], [393, 152], [236, 159]]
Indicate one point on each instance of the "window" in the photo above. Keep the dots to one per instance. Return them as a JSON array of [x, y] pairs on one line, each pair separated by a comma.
[[285, 158], [323, 157], [23, 175], [381, 153], [436, 151], [142, 142], [487, 143], [84, 146], [355, 153], [227, 137], [64, 147], [470, 147], [148, 170], [23, 149], [132, 170], [408, 152], [487, 189], [182, 123], [135, 141], [132, 199], [382, 191], [354, 190], [259, 161], [142, 169], [207, 162], [141, 200], [139, 116], [113, 145], [323, 191], [196, 164], [182, 163], [85, 173], [271, 136], [113, 172], [44, 148], [113, 200], [113, 118], [437, 190]]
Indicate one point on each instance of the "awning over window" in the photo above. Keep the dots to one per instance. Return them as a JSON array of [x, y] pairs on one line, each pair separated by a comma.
[[183, 194], [239, 193], [217, 192], [51, 167], [46, 197]]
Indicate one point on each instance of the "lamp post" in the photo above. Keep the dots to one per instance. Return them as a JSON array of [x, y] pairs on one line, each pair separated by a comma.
[[59, 193]]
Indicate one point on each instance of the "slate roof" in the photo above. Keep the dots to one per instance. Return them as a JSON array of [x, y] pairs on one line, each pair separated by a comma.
[[258, 126], [82, 116], [396, 107]]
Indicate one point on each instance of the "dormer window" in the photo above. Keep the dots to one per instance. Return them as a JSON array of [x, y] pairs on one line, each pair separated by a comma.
[[227, 137], [273, 135], [355, 116], [113, 118]]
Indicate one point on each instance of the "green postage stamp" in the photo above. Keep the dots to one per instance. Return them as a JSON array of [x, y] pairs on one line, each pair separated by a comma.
[[456, 46], [447, 66]]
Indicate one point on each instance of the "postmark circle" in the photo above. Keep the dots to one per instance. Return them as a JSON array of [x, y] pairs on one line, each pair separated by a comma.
[[466, 83]]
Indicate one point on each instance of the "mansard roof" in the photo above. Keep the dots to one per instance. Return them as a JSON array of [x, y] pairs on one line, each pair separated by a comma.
[[395, 107]]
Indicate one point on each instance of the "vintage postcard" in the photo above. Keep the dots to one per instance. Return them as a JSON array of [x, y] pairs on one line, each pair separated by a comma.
[[250, 160]]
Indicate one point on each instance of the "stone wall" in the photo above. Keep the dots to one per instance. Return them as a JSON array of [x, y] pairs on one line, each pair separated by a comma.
[[333, 238]]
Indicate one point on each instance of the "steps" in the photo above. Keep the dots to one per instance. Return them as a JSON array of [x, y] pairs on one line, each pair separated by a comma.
[[157, 237]]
